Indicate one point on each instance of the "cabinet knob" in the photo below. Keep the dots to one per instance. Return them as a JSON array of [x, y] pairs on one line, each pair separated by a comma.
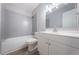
[[48, 43]]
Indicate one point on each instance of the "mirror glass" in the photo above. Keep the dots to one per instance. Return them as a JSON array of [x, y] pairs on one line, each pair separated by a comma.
[[62, 16]]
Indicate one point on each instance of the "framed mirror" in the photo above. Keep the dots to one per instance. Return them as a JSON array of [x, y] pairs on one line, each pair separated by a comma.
[[62, 16]]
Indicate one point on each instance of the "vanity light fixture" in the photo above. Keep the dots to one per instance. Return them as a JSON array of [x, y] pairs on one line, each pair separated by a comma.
[[49, 7]]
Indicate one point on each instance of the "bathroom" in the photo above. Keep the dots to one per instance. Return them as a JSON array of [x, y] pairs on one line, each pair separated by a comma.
[[39, 28]]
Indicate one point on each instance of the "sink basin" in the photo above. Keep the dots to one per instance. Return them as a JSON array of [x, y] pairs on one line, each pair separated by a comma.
[[64, 33]]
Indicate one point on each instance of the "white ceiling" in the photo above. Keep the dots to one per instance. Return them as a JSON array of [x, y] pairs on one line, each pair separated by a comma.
[[28, 7]]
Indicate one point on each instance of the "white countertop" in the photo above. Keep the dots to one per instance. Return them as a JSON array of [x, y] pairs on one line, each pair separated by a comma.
[[63, 33]]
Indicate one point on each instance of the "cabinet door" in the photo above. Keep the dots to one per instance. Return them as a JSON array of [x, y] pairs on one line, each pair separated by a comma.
[[58, 48], [51, 48], [62, 49], [43, 46]]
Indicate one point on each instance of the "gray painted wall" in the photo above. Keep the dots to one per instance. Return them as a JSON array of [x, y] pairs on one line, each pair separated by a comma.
[[15, 24], [0, 27], [2, 22], [34, 24]]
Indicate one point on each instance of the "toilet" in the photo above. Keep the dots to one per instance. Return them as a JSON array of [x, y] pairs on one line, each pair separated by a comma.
[[32, 45]]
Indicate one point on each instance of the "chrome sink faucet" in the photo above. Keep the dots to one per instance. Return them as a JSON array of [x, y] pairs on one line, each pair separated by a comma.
[[54, 28]]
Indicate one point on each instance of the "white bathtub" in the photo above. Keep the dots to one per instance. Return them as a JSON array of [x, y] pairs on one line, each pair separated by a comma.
[[13, 44]]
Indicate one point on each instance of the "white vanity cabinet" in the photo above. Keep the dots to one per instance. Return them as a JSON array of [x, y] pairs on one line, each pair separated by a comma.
[[42, 44], [51, 44]]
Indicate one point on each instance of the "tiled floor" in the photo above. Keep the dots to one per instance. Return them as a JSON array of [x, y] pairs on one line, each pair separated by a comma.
[[19, 52], [22, 52]]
